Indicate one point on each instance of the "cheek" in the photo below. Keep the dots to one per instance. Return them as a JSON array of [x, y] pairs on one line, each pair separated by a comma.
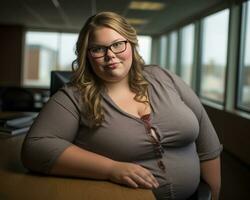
[[95, 64], [92, 61], [127, 55]]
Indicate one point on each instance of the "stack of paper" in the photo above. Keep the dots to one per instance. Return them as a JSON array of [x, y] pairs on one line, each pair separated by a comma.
[[16, 123]]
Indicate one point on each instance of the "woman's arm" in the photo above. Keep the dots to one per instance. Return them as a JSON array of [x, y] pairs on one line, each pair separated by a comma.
[[78, 162], [210, 172], [49, 148]]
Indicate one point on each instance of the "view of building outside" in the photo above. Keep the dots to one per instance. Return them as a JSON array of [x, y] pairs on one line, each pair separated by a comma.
[[145, 44], [47, 51], [214, 55], [41, 51], [245, 71], [187, 52], [163, 51], [172, 51], [66, 52]]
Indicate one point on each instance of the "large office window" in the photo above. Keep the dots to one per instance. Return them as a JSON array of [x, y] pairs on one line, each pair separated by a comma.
[[214, 55], [172, 59], [145, 43], [41, 51], [244, 80], [67, 43], [46, 51], [187, 52], [163, 51]]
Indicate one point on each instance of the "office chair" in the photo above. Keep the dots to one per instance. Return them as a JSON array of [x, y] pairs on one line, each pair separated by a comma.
[[17, 99], [203, 192], [58, 79]]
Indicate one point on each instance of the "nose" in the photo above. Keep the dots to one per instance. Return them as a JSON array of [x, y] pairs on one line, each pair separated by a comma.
[[109, 54]]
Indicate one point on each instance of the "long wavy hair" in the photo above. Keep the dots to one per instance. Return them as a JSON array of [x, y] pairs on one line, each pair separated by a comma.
[[89, 84]]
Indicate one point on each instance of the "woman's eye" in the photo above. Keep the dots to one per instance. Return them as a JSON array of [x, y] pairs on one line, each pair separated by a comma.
[[97, 49], [117, 44]]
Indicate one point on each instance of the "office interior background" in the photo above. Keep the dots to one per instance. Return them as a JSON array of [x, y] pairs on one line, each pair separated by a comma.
[[207, 43]]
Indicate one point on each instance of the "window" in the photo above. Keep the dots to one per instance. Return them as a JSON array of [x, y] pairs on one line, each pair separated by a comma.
[[67, 50], [214, 56], [46, 51], [163, 51], [244, 80], [187, 52], [172, 51], [145, 43], [41, 51]]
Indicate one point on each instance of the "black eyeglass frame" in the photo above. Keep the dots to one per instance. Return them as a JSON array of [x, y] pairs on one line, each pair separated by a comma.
[[108, 47]]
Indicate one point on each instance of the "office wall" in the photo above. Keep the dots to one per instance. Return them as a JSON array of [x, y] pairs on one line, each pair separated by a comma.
[[11, 50], [233, 131]]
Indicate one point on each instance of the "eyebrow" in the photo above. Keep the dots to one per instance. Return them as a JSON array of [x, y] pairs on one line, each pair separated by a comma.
[[102, 45]]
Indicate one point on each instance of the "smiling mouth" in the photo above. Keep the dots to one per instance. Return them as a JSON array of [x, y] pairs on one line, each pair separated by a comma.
[[111, 65]]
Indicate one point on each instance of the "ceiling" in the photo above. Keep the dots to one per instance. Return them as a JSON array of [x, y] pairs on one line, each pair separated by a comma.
[[70, 15]]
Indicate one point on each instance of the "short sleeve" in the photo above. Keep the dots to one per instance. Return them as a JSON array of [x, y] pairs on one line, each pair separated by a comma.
[[52, 132], [207, 144]]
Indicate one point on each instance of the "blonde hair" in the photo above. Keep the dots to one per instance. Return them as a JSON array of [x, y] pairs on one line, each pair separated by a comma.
[[88, 82]]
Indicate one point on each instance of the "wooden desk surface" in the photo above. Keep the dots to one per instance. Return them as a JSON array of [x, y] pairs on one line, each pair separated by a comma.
[[17, 183]]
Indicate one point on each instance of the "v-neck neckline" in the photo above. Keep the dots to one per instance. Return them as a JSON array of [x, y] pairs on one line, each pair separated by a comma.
[[118, 108]]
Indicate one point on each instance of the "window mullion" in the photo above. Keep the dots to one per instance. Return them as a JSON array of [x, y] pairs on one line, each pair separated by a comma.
[[232, 58]]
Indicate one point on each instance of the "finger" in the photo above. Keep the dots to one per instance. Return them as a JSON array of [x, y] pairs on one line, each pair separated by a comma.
[[148, 176], [151, 179], [156, 183], [129, 182], [141, 181]]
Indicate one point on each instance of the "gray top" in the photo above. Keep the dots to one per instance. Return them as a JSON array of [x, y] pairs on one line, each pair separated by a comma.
[[185, 135]]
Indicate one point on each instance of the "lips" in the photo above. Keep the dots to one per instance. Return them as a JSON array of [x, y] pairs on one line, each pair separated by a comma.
[[112, 65]]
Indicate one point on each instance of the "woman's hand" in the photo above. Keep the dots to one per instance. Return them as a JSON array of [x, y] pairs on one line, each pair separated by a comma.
[[132, 175]]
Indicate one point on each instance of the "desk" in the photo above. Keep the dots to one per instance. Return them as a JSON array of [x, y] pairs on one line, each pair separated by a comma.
[[17, 183]]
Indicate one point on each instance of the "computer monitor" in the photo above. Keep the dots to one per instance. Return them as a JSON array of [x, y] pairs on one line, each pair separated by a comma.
[[59, 79]]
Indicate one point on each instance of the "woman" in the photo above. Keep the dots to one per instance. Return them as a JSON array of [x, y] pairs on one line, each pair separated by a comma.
[[122, 121]]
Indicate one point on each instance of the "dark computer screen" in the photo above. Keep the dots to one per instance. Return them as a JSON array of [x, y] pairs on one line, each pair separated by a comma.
[[59, 79]]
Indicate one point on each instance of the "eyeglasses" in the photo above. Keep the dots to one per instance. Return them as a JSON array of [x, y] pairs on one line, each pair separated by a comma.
[[101, 51]]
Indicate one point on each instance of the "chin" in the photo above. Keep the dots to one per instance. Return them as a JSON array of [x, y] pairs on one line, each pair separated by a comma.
[[116, 78]]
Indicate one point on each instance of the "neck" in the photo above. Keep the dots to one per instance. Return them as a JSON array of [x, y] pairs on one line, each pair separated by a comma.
[[118, 87]]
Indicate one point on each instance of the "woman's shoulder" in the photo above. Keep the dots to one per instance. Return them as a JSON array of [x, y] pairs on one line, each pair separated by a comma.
[[68, 90], [151, 69], [68, 94], [158, 73]]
